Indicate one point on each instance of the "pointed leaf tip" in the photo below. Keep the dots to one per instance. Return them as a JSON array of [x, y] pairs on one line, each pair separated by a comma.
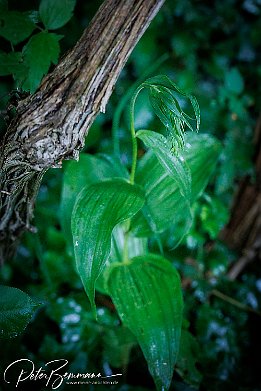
[[98, 209], [147, 294]]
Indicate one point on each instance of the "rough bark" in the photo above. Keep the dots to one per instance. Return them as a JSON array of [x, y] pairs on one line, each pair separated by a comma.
[[243, 231], [51, 125]]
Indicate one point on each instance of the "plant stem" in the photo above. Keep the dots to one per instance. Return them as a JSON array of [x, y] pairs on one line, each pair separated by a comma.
[[133, 135], [125, 248], [234, 302], [127, 96]]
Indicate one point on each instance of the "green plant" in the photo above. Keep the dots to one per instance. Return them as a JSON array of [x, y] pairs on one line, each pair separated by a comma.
[[144, 287], [212, 51]]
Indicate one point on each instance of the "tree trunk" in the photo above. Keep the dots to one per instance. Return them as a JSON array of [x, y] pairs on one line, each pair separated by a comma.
[[51, 124], [243, 231]]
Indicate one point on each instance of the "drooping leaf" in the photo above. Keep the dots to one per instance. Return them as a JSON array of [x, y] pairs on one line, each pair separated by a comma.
[[16, 310], [41, 50], [98, 209], [15, 26], [165, 81], [147, 294], [166, 107], [55, 14], [164, 98], [173, 164], [89, 169]]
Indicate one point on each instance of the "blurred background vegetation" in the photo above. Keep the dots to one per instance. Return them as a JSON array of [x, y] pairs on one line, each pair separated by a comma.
[[210, 49]]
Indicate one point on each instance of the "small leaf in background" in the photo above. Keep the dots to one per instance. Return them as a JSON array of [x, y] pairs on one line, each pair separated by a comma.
[[172, 163], [15, 26], [12, 63], [98, 209], [55, 14], [16, 310], [147, 294], [33, 16], [214, 215], [41, 50], [89, 169], [118, 343], [187, 358], [234, 81]]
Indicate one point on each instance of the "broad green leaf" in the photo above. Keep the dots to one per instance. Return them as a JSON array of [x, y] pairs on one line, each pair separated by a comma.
[[147, 294], [165, 205], [16, 310], [41, 50], [173, 164], [55, 14], [98, 209], [201, 155], [12, 63], [89, 169], [15, 26]]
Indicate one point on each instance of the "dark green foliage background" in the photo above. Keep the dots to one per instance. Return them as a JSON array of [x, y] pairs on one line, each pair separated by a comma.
[[213, 51]]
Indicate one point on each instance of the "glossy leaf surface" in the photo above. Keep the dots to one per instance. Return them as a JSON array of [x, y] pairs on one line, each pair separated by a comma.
[[147, 294], [15, 26], [164, 201], [98, 209], [41, 50], [16, 310], [55, 14], [88, 170], [201, 154], [12, 63], [173, 164], [166, 99], [165, 204]]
